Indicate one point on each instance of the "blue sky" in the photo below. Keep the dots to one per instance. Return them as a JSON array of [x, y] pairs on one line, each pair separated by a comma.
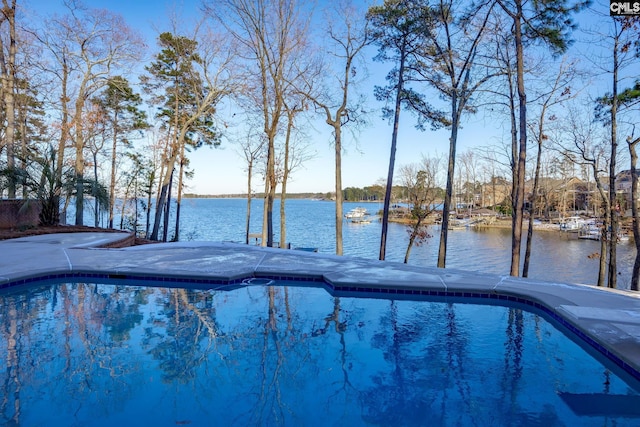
[[221, 170]]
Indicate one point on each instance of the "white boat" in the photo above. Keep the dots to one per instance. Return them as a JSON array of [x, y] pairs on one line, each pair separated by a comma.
[[459, 224], [360, 220], [572, 224], [356, 213], [590, 231]]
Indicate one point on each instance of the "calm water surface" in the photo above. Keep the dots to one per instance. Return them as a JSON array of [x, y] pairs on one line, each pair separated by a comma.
[[81, 354], [310, 223]]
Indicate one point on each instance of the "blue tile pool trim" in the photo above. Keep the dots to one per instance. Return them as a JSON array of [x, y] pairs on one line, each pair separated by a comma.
[[334, 289], [111, 277]]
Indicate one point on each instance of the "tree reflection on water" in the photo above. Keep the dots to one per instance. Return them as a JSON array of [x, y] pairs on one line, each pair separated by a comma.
[[95, 354]]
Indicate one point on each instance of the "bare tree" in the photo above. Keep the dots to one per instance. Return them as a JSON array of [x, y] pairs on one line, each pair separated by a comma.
[[558, 91], [100, 41], [496, 162], [22, 116], [549, 22], [421, 182], [57, 62], [586, 145], [453, 68], [95, 137], [93, 44], [294, 153], [630, 98], [633, 143], [252, 149], [629, 102], [335, 98], [615, 209], [470, 165], [502, 95], [272, 34], [620, 39]]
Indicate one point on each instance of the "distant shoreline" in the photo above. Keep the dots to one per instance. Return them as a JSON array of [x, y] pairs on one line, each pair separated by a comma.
[[315, 196], [500, 223]]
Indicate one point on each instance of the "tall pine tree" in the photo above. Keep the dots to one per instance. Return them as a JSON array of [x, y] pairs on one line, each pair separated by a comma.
[[548, 22], [187, 97], [121, 106]]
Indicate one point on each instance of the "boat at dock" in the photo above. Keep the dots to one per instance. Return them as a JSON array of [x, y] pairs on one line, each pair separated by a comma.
[[356, 213], [459, 224], [363, 220], [590, 230], [572, 224]]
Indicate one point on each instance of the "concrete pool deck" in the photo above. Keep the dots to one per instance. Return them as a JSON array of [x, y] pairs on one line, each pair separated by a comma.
[[608, 319]]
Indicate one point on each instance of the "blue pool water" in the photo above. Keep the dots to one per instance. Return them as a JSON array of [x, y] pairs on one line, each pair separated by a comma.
[[81, 354]]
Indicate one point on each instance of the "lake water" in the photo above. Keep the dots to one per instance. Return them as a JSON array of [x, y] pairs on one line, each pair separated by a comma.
[[310, 223]]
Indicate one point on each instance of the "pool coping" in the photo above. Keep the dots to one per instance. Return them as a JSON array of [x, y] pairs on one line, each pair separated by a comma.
[[607, 320]]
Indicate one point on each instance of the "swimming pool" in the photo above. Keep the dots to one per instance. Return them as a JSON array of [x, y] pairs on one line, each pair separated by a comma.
[[290, 353]]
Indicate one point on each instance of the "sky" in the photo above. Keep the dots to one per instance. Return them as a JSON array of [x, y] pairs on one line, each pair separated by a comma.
[[366, 157]]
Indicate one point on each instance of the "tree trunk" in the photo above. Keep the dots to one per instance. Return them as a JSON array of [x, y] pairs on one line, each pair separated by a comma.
[[176, 236], [123, 209], [167, 209], [283, 215], [64, 136], [148, 213], [412, 239], [96, 201], [392, 155], [448, 195], [23, 147], [635, 277], [79, 177], [269, 192], [8, 91], [522, 152], [160, 203], [159, 209], [534, 196], [602, 268], [514, 149], [248, 220], [162, 176], [285, 178], [339, 196], [79, 148], [265, 210], [602, 265], [614, 207], [168, 166], [272, 198], [135, 210], [112, 184]]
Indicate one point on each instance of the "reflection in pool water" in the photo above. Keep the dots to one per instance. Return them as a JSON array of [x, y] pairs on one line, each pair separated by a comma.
[[104, 355]]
